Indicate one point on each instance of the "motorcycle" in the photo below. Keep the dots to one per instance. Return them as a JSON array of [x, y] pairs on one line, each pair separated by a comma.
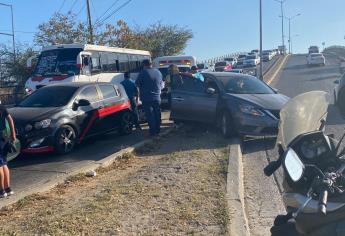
[[313, 170]]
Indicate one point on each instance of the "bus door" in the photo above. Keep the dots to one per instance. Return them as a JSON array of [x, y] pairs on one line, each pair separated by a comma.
[[85, 67]]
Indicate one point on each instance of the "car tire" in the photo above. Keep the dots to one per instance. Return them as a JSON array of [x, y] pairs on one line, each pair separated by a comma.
[[227, 125], [126, 123], [65, 139]]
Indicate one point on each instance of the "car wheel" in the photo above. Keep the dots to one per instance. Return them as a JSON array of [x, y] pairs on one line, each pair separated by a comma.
[[126, 123], [65, 139], [227, 126]]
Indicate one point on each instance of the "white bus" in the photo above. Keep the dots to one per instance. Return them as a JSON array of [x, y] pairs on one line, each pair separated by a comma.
[[84, 63]]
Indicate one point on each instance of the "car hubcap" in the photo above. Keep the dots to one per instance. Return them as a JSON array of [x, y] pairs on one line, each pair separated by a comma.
[[67, 139]]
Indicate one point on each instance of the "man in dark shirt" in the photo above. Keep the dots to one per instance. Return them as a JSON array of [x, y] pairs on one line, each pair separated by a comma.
[[132, 94], [5, 137], [150, 84]]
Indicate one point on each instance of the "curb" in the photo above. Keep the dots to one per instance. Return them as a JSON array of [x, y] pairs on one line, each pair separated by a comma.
[[60, 179], [238, 225]]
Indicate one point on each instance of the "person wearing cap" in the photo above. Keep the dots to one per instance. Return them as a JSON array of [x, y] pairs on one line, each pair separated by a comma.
[[132, 94], [150, 83]]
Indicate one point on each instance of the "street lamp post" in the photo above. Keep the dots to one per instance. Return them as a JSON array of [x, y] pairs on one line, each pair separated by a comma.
[[282, 13], [261, 75], [13, 41], [289, 19]]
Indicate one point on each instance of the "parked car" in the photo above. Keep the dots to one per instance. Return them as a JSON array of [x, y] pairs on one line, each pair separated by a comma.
[[222, 66], [255, 51], [316, 59], [251, 60], [240, 59], [232, 60], [236, 103], [59, 116], [204, 67], [267, 55]]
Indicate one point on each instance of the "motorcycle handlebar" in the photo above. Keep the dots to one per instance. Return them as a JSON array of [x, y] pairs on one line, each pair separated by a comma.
[[272, 167], [323, 197]]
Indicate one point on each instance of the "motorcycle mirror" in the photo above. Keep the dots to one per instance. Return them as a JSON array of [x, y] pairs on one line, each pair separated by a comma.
[[293, 165]]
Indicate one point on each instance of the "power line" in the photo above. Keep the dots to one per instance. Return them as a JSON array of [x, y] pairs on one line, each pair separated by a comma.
[[94, 9], [115, 11], [75, 1], [112, 5], [81, 9], [63, 3]]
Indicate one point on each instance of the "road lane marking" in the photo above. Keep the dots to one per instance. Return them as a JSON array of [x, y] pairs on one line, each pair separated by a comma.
[[278, 70]]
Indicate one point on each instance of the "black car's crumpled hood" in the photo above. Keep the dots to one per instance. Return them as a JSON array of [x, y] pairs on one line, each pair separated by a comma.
[[29, 114], [265, 101]]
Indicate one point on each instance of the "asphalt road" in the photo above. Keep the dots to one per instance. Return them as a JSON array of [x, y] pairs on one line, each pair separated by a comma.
[[262, 194]]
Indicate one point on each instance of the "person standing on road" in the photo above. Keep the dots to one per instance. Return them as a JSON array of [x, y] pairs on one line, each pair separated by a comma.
[[5, 189], [150, 84], [132, 94]]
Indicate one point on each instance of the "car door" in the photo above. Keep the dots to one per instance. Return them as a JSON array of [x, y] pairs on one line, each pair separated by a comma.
[[189, 101], [112, 103], [88, 116]]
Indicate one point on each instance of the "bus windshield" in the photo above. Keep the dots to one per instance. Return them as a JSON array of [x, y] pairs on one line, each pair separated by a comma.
[[57, 62]]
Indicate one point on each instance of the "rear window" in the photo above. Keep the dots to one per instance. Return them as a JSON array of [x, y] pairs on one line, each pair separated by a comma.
[[108, 91]]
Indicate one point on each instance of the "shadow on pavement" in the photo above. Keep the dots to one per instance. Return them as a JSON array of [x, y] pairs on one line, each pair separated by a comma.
[[257, 145], [93, 149]]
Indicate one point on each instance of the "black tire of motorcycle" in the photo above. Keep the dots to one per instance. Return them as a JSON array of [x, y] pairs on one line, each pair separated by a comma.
[[285, 230]]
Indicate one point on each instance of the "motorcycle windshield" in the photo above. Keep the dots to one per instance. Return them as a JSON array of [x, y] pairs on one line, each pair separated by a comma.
[[302, 114]]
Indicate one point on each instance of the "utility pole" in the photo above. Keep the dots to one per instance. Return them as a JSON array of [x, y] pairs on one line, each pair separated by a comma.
[[261, 76], [282, 14], [289, 19], [13, 40], [89, 20]]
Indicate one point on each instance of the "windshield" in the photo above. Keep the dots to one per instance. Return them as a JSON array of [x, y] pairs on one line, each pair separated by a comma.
[[57, 62], [242, 56], [251, 57], [55, 96], [245, 85], [302, 114], [222, 63]]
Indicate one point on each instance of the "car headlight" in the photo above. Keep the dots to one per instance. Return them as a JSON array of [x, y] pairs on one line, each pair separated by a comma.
[[251, 110], [43, 124]]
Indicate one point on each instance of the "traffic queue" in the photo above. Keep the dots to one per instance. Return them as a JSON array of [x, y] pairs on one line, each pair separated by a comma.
[[79, 91]]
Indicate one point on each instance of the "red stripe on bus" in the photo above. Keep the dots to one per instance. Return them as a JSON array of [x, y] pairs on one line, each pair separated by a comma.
[[103, 112]]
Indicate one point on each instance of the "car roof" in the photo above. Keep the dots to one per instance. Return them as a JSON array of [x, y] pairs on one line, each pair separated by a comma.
[[227, 74], [75, 84]]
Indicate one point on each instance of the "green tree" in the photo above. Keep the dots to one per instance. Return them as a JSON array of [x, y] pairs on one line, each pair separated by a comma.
[[61, 29], [158, 38]]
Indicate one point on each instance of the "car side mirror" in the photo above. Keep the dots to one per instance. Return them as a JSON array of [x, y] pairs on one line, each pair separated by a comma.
[[337, 81], [210, 91], [81, 103]]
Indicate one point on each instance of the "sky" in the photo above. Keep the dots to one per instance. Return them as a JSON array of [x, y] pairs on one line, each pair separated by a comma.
[[220, 26]]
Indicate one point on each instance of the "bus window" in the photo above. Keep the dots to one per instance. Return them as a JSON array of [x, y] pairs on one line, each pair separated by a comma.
[[104, 62], [123, 62], [95, 65]]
